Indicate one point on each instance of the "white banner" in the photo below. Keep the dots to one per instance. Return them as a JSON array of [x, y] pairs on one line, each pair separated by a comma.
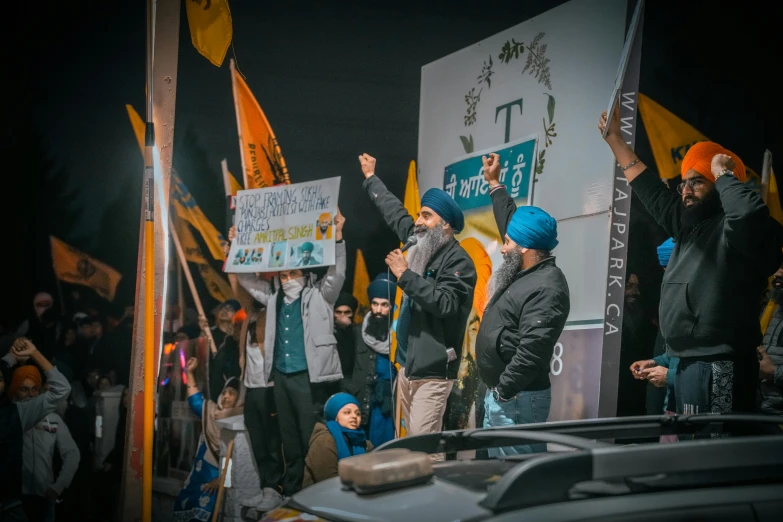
[[284, 227]]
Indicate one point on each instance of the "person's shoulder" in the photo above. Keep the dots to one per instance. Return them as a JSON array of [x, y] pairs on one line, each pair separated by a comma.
[[320, 431]]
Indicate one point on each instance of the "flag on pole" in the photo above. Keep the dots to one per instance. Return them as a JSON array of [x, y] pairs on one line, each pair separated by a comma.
[[216, 284], [73, 266], [361, 280], [412, 202], [138, 126], [211, 28], [773, 198], [186, 208], [231, 184], [262, 160]]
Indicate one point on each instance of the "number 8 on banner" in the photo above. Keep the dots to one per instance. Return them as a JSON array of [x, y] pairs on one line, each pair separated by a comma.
[[556, 364]]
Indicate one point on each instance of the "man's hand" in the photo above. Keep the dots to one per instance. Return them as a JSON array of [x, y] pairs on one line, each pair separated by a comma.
[[211, 487], [232, 233], [368, 165], [51, 495], [614, 124], [191, 365], [491, 169], [639, 366], [656, 376], [721, 162], [397, 263], [23, 349], [766, 366], [339, 223], [203, 324]]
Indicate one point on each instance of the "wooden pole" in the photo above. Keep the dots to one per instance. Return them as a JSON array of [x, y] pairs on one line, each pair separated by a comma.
[[766, 170], [189, 277], [221, 489], [239, 122]]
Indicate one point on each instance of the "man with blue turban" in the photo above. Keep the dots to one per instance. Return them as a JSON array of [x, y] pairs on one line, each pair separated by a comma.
[[527, 311], [437, 279], [307, 255]]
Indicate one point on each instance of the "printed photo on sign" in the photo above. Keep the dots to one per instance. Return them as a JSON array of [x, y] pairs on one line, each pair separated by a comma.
[[286, 226], [278, 257], [307, 254]]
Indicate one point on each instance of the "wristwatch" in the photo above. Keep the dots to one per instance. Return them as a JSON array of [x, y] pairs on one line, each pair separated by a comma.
[[724, 171], [496, 396]]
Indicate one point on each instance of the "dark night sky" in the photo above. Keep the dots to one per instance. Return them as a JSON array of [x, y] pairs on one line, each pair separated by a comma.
[[338, 81]]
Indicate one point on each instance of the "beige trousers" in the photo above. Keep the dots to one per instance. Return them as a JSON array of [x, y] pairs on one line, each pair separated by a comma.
[[423, 403]]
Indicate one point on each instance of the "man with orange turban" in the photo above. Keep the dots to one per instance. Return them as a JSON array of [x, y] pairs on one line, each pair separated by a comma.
[[726, 246]]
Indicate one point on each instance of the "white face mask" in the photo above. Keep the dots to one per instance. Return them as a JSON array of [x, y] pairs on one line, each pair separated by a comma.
[[293, 289]]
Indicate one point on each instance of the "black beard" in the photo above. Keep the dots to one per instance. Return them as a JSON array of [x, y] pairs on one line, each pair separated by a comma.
[[701, 210], [378, 326], [505, 274], [777, 296]]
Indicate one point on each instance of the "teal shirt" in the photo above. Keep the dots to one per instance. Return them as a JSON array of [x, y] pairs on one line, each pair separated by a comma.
[[289, 339]]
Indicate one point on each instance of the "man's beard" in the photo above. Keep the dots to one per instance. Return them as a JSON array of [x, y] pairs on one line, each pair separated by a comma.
[[700, 210], [378, 326], [430, 240], [777, 296], [504, 275]]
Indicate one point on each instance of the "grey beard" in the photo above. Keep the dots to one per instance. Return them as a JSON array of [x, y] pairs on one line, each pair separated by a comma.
[[430, 241], [504, 275]]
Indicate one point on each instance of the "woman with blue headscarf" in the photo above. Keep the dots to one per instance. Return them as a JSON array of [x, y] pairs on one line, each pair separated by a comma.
[[342, 436]]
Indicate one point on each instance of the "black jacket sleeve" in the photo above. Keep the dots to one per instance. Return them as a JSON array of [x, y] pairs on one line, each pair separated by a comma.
[[542, 321], [663, 205], [747, 216], [443, 296], [391, 208], [503, 207]]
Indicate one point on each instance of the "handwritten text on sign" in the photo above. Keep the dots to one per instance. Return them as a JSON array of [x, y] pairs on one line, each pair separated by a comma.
[[284, 227]]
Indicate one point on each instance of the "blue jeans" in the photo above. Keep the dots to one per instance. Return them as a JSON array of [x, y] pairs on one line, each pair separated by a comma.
[[526, 407]]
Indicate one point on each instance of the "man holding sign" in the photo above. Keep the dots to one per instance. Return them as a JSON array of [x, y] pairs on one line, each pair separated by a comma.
[[438, 279], [300, 355]]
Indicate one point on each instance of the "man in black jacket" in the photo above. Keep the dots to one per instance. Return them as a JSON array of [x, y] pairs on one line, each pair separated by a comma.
[[528, 308], [726, 245], [437, 279]]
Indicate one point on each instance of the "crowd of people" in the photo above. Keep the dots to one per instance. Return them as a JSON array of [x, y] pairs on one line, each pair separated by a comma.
[[314, 386]]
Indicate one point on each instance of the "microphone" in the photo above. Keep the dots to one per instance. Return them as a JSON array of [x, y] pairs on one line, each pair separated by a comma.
[[411, 241]]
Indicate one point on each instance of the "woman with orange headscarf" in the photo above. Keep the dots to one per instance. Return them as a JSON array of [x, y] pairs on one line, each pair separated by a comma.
[[726, 246]]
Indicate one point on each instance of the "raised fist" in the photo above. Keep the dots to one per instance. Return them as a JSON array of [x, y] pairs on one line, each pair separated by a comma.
[[368, 165]]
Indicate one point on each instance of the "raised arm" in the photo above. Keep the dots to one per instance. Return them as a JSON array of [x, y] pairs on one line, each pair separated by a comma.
[[391, 208], [332, 283], [503, 205], [195, 397], [662, 204], [31, 412]]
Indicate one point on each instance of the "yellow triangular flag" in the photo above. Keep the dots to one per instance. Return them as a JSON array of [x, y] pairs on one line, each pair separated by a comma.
[[211, 28], [73, 266], [234, 185], [138, 126], [186, 207], [773, 198], [670, 137], [361, 280]]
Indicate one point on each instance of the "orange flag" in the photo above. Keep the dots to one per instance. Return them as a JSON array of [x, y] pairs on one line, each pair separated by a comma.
[[262, 159], [74, 266], [211, 28]]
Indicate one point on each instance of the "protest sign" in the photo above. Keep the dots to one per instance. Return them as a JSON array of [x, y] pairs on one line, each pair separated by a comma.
[[284, 227]]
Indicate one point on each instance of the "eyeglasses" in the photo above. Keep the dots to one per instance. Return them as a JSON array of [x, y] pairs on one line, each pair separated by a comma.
[[695, 184]]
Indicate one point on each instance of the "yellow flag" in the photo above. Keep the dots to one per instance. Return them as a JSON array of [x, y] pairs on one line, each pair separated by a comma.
[[773, 198], [211, 28], [361, 280], [412, 202], [186, 208], [670, 137], [216, 284], [234, 185], [262, 158], [138, 126], [73, 266], [188, 241]]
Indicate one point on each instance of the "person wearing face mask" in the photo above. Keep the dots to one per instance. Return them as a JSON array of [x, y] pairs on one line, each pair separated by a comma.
[[300, 350], [340, 437], [771, 354], [40, 490]]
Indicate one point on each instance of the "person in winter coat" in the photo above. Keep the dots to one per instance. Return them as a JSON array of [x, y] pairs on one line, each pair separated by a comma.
[[771, 355], [526, 314], [17, 418], [374, 373], [40, 490], [300, 351], [726, 247], [341, 437], [196, 500], [438, 278]]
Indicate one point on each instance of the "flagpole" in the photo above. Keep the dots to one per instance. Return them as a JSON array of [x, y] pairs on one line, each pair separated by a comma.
[[180, 297], [239, 122], [765, 173], [186, 270]]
